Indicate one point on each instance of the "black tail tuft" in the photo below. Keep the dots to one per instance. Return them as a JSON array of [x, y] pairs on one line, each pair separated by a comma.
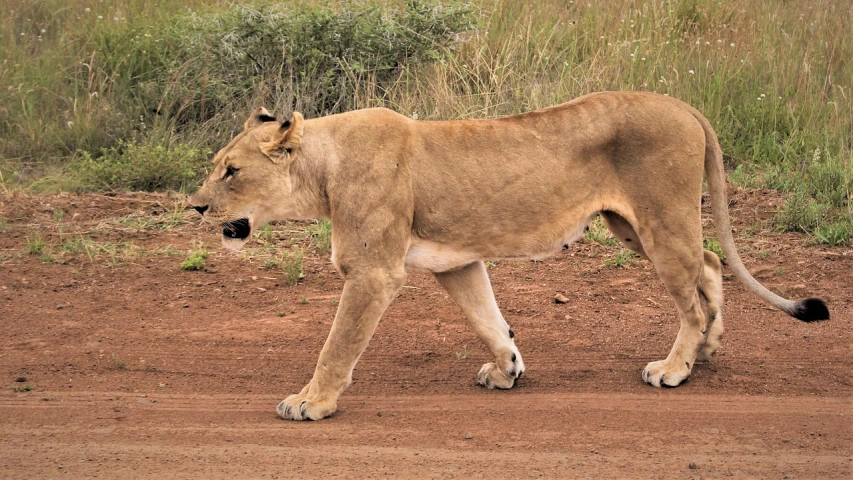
[[811, 310]]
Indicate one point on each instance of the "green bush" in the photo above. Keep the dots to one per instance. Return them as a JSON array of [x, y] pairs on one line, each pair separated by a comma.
[[98, 77], [318, 53], [195, 261], [142, 167], [801, 213]]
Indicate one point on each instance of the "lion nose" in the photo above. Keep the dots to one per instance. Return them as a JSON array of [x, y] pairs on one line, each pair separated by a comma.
[[202, 209]]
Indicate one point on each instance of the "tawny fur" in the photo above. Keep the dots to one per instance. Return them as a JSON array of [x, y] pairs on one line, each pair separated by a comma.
[[443, 196]]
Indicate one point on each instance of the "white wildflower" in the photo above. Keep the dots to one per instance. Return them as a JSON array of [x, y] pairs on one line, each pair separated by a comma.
[[691, 72]]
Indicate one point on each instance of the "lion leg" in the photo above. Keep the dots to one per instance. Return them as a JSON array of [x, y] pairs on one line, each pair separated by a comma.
[[678, 259], [470, 288], [363, 301], [710, 293], [711, 290]]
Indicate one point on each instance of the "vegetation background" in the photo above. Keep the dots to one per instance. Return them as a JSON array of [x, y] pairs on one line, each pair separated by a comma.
[[136, 94]]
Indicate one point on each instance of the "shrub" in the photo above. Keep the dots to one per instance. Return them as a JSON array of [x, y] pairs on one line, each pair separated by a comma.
[[320, 53], [97, 78], [195, 261], [801, 213], [142, 167]]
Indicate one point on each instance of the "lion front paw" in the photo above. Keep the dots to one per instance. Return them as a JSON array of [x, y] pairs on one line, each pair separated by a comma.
[[300, 407], [491, 376], [663, 374]]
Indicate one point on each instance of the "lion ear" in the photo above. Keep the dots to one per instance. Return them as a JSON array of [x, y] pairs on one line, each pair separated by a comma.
[[282, 148], [259, 115]]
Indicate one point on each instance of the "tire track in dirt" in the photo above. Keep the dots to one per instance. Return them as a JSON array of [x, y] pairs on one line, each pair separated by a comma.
[[485, 435]]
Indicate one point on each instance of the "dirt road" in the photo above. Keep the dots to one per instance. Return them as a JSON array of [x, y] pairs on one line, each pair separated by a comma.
[[118, 364]]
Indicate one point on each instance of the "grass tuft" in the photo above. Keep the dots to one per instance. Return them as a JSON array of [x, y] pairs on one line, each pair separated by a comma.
[[35, 244], [195, 261], [835, 234], [321, 235], [713, 245], [291, 265]]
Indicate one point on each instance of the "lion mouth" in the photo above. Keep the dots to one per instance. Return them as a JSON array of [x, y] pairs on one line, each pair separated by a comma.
[[238, 229]]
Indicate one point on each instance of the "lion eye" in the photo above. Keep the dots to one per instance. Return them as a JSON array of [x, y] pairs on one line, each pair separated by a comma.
[[230, 172]]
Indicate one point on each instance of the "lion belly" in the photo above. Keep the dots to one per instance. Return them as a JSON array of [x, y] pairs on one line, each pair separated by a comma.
[[437, 257]]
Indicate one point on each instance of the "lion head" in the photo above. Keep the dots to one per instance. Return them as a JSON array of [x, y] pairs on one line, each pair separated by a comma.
[[250, 183]]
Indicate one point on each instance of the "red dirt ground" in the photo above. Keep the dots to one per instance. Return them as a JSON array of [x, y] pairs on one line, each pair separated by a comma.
[[139, 369]]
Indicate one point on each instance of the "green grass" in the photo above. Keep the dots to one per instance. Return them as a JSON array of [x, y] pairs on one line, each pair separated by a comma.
[[196, 260], [623, 258], [266, 233], [837, 233], [35, 244], [135, 95], [291, 265], [713, 245], [598, 233], [321, 235]]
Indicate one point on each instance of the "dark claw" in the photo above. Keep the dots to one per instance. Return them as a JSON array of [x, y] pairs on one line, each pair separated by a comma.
[[302, 408], [287, 411], [511, 333], [513, 358]]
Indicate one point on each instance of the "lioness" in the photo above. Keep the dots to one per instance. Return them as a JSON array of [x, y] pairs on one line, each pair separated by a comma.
[[443, 196]]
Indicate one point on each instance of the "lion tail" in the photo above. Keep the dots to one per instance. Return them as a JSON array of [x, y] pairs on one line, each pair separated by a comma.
[[808, 310]]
